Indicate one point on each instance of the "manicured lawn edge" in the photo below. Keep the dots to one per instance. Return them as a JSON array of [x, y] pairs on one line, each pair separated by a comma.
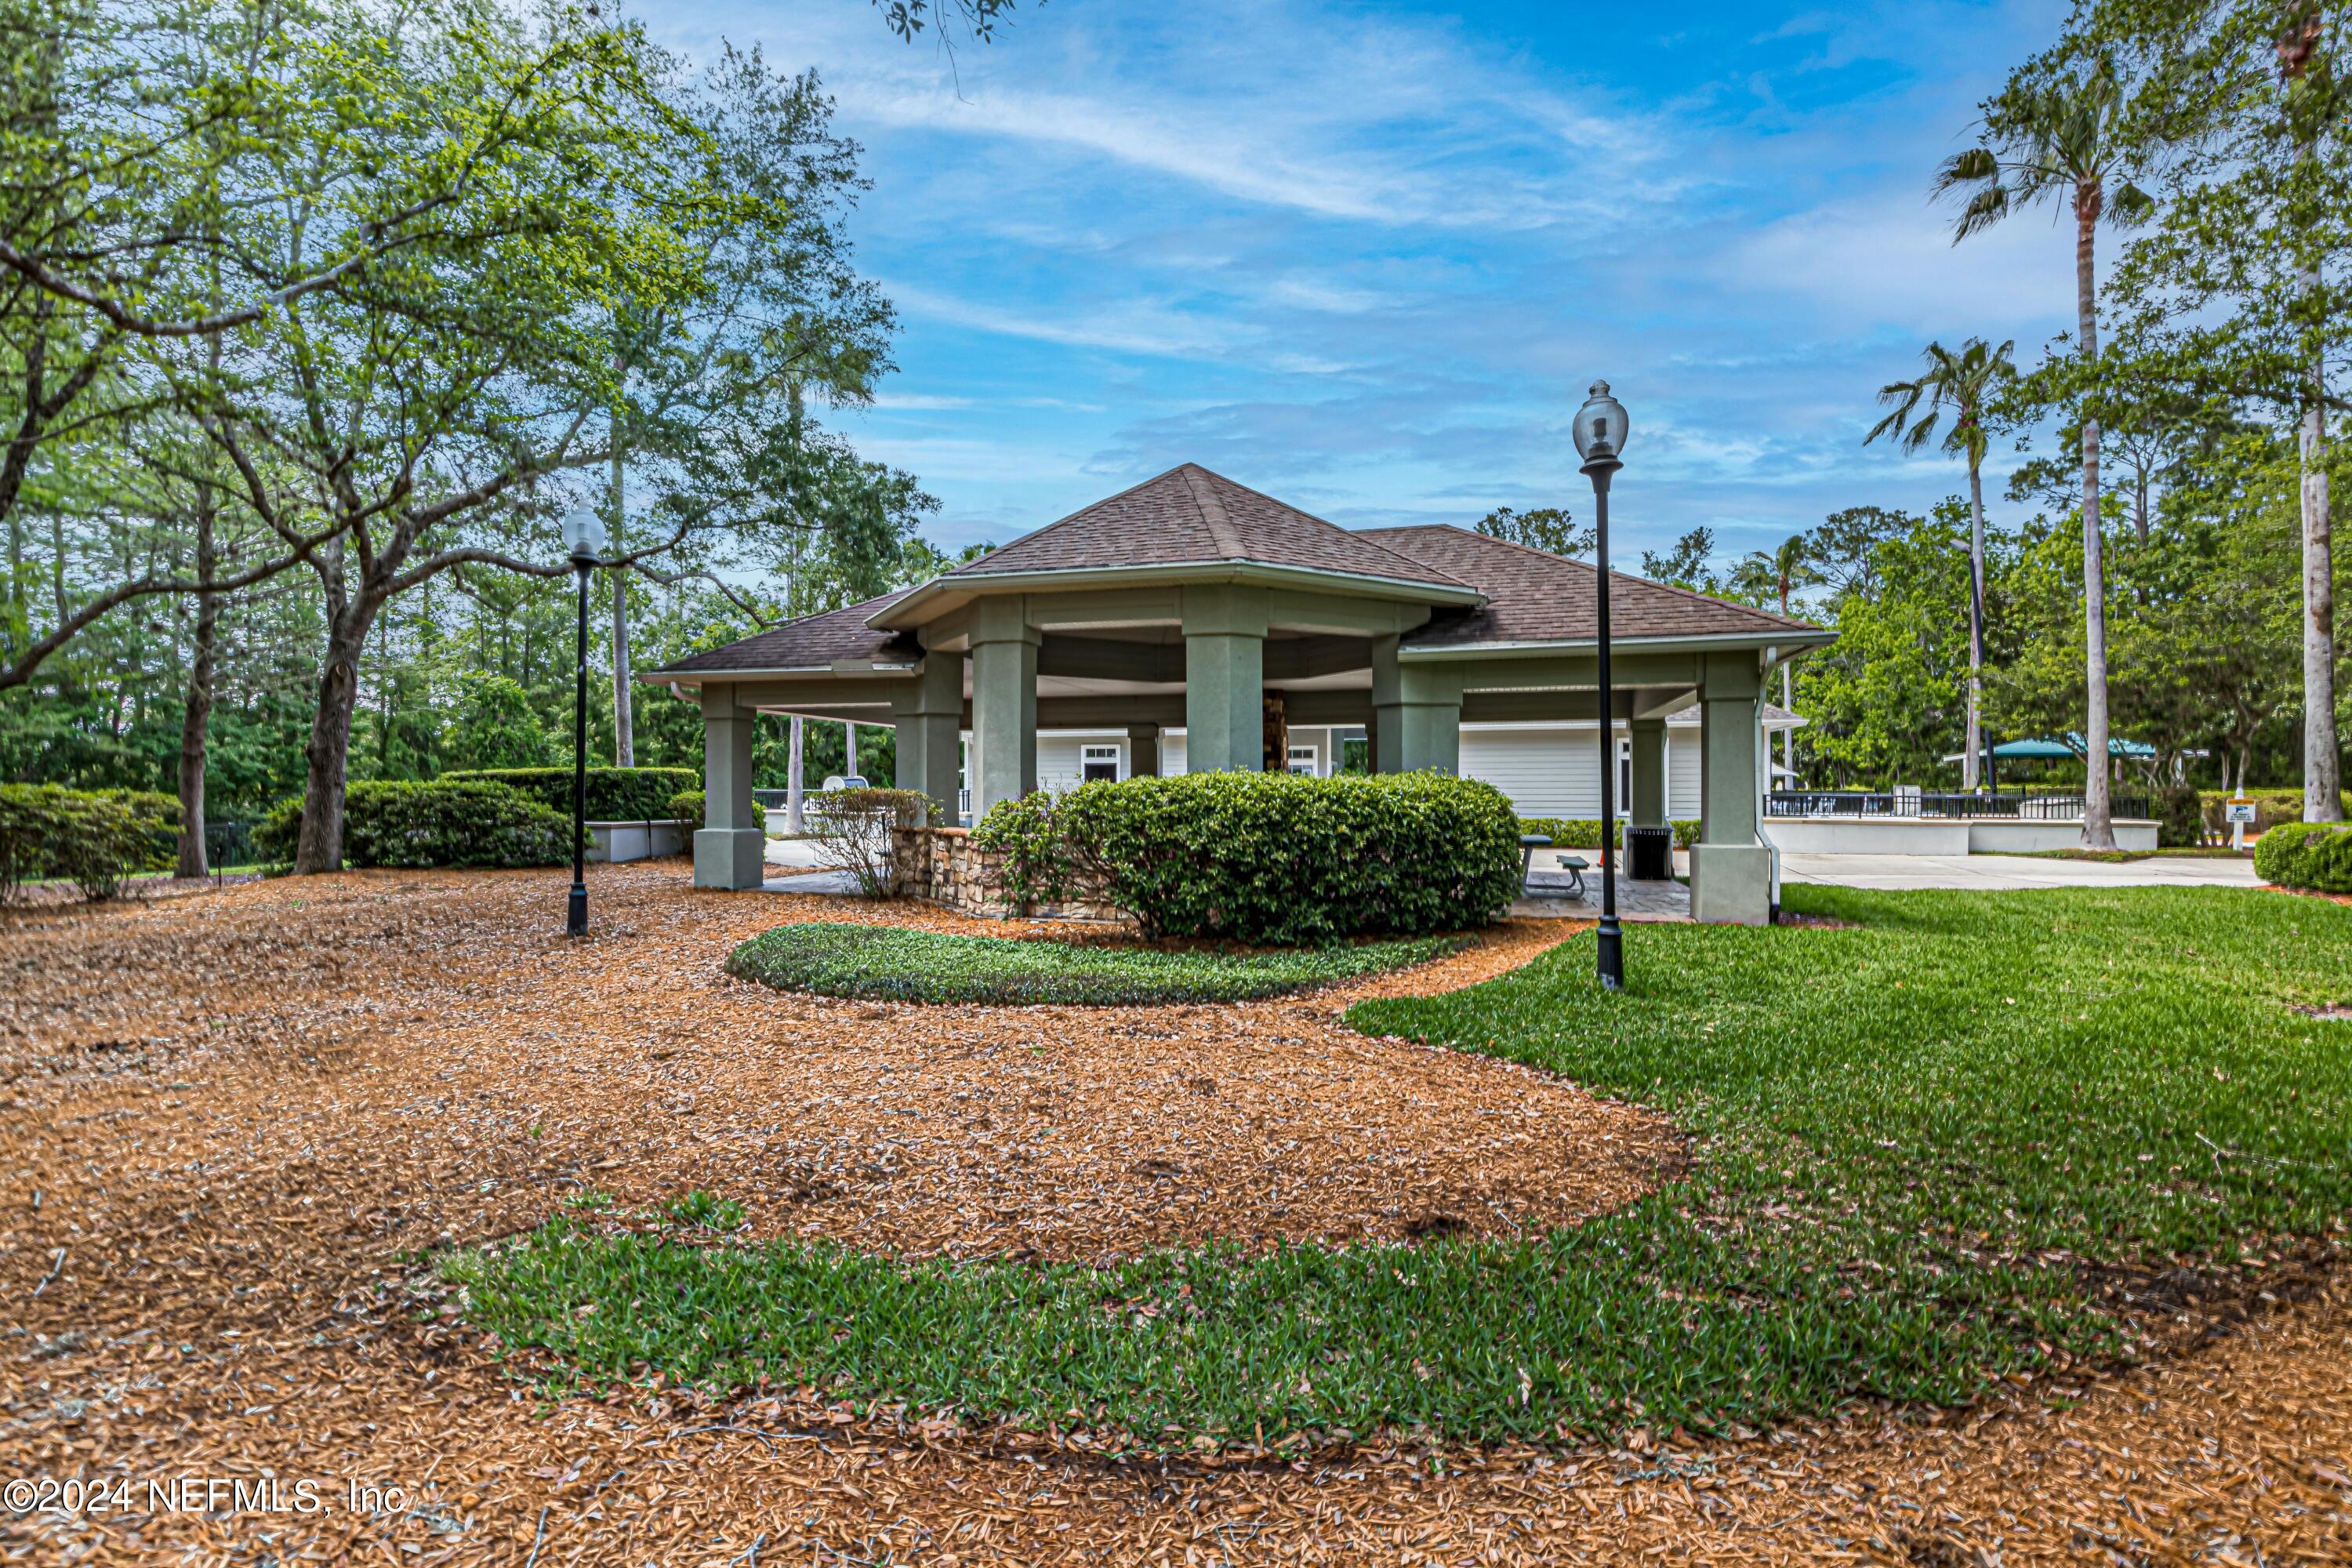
[[1965, 1136]]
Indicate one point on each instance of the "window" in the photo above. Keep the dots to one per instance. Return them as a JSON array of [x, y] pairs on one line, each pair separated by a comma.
[[1355, 754], [1307, 760], [1097, 763], [1624, 778]]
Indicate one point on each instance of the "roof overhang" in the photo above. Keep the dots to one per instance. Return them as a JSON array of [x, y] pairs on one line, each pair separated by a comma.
[[944, 596], [1791, 641], [850, 666]]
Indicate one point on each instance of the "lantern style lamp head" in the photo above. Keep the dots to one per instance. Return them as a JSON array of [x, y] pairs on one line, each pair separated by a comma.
[[1600, 427], [583, 536]]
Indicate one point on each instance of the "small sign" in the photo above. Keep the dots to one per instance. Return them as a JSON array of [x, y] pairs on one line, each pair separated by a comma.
[[2238, 811]]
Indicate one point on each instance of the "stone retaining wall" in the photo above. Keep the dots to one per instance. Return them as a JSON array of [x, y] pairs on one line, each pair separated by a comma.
[[942, 866]]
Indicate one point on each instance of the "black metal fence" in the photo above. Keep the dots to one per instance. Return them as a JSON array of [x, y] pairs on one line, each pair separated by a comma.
[[2034, 807]]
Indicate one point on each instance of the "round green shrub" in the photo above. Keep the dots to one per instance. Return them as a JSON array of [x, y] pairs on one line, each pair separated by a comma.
[[462, 822], [1270, 859], [94, 839], [2316, 856], [686, 806], [891, 963]]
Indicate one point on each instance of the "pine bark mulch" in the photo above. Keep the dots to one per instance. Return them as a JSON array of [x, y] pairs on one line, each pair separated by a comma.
[[236, 1122]]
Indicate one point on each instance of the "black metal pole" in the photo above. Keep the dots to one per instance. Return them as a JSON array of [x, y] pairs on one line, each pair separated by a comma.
[[1609, 940], [575, 921]]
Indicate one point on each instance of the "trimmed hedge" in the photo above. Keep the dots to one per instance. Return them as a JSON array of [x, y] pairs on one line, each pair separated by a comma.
[[890, 963], [686, 806], [2272, 807], [449, 822], [614, 794], [1269, 859], [93, 839], [2316, 856], [1584, 832]]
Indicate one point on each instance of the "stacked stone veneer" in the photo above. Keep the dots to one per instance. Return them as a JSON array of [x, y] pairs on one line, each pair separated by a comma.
[[942, 866]]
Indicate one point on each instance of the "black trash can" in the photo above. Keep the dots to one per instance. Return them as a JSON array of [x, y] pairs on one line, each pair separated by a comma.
[[1649, 853]]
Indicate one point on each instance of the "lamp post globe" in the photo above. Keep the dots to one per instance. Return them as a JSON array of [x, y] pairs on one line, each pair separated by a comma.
[[1600, 435], [584, 542]]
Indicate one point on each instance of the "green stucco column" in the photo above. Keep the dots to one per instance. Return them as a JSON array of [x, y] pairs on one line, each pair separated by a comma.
[[1144, 751], [1225, 679], [1003, 703], [730, 850], [1417, 714], [929, 714], [1731, 872], [1649, 802]]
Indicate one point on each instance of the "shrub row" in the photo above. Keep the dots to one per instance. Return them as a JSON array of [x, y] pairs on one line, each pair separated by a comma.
[[2272, 807], [2316, 856], [93, 838], [614, 794], [1269, 859], [449, 822], [1584, 832], [889, 964]]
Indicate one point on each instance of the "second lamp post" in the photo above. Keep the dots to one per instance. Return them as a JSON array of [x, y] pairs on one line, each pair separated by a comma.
[[583, 537], [1600, 435]]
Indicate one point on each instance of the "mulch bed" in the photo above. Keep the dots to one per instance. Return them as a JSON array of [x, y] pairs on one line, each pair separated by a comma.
[[235, 1123]]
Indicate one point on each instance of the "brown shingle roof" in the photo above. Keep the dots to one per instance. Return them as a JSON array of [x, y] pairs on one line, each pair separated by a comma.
[[1534, 597], [807, 644], [1189, 515]]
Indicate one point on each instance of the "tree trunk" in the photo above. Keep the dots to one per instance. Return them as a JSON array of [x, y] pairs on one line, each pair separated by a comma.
[[1974, 752], [2322, 763], [195, 719], [2098, 817], [794, 791], [328, 753], [624, 727]]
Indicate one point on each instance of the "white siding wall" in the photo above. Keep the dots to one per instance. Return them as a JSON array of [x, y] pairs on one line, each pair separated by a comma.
[[1682, 774], [1547, 773]]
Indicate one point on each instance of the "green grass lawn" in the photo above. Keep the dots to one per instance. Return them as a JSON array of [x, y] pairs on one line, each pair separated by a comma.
[[892, 964], [1930, 1149]]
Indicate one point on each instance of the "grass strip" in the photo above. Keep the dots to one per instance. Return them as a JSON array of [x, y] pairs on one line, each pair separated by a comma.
[[1931, 1143], [892, 964]]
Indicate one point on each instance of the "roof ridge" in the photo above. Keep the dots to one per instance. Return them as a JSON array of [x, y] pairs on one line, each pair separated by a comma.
[[1212, 510], [1361, 533], [1613, 571], [1072, 516]]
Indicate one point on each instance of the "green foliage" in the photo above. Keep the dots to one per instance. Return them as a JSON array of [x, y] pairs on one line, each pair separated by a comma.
[[92, 839], [1584, 832], [685, 807], [2272, 807], [1549, 529], [1271, 859], [466, 822], [614, 794], [1932, 1147], [892, 964], [1686, 565], [495, 729], [2180, 817], [2316, 857]]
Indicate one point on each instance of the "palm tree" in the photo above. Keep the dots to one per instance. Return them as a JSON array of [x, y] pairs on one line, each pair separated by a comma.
[[2063, 138], [1782, 573], [1964, 382]]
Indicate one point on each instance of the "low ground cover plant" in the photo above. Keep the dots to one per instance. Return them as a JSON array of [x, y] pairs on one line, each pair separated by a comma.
[[1932, 1147], [462, 822], [1269, 859], [614, 794], [2314, 857], [892, 964]]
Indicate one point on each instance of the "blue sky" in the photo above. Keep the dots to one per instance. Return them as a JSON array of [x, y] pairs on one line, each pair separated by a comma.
[[1368, 257]]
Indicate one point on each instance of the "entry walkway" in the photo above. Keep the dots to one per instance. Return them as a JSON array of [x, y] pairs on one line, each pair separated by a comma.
[[1990, 872]]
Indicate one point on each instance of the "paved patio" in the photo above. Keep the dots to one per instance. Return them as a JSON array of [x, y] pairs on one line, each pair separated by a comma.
[[1993, 871]]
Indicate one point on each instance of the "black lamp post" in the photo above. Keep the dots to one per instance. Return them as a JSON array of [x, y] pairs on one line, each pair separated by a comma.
[[1600, 434], [583, 536]]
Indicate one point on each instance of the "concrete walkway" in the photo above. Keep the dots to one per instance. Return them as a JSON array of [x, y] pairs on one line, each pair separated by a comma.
[[1990, 872]]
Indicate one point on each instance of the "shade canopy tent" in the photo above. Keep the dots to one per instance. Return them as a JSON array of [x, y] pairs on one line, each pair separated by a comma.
[[1196, 604]]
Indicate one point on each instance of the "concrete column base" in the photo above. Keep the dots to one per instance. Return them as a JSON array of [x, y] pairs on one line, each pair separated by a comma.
[[730, 857], [1731, 884]]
